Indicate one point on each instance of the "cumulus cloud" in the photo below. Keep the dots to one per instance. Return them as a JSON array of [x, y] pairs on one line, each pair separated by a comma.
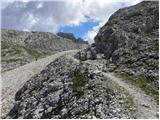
[[50, 15], [92, 33], [42, 16], [101, 11]]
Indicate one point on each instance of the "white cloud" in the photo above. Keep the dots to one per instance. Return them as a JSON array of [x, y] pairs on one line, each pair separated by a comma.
[[101, 12], [52, 14], [92, 33], [48, 16]]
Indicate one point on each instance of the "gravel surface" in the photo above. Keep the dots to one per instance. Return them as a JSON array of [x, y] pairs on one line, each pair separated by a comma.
[[13, 80], [147, 107]]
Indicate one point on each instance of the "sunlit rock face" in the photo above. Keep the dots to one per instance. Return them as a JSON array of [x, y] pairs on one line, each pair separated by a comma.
[[130, 40]]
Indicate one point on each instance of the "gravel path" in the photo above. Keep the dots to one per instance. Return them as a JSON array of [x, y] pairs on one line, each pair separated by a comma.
[[147, 107], [13, 80]]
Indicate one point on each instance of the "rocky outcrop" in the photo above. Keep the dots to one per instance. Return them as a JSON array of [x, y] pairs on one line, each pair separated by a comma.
[[71, 37], [68, 89], [66, 35], [19, 47], [88, 53], [78, 88], [129, 41]]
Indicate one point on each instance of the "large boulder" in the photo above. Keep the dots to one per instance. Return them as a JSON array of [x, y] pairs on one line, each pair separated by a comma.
[[130, 40]]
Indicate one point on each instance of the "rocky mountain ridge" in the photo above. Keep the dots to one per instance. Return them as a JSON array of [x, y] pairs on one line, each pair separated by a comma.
[[72, 37], [77, 86]]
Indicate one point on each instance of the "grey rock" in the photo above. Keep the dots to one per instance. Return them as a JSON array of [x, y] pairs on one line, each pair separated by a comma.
[[68, 89], [129, 42], [59, 98], [20, 48], [146, 105], [89, 53], [130, 39]]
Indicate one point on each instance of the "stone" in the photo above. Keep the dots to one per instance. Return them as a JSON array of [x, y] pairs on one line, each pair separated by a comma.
[[146, 105], [66, 89], [124, 38], [38, 100], [31, 46]]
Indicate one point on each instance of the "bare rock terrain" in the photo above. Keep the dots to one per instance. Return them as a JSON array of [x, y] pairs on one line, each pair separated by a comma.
[[116, 77], [129, 42], [20, 47]]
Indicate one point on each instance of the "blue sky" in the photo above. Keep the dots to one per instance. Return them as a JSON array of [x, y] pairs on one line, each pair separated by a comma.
[[81, 30], [82, 17]]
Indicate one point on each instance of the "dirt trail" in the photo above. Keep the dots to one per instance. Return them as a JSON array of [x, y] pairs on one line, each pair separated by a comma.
[[13, 80], [147, 107]]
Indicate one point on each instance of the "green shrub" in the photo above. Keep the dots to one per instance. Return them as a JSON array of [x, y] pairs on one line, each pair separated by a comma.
[[79, 81]]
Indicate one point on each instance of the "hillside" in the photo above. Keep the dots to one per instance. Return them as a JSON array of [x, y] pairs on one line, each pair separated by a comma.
[[72, 37], [114, 78], [129, 42], [15, 81], [20, 47]]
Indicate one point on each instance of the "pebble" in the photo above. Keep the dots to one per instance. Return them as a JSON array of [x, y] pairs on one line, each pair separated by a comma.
[[145, 105]]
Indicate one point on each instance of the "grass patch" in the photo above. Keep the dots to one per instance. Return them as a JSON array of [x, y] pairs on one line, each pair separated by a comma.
[[129, 104], [129, 100], [79, 81], [60, 104], [142, 83], [125, 100], [35, 53], [11, 50], [11, 60], [18, 50]]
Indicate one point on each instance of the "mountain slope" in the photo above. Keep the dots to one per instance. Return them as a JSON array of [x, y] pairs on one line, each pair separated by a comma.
[[70, 89], [71, 37], [19, 47], [129, 42], [12, 81], [83, 87]]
